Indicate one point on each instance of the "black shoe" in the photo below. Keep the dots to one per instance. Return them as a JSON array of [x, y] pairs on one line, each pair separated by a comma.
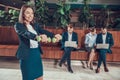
[[84, 66], [106, 69], [70, 70], [91, 67], [60, 64], [97, 70]]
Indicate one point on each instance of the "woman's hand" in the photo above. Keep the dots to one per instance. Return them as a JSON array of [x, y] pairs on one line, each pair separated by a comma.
[[44, 38], [58, 37]]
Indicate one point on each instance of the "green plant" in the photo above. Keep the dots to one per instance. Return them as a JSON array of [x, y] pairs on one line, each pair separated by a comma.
[[41, 11], [62, 14], [14, 15], [105, 17], [8, 18], [2, 15], [85, 14], [116, 24], [73, 0], [91, 21]]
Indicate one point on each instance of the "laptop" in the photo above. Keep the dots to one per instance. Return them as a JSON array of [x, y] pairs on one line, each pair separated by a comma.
[[102, 46], [71, 44]]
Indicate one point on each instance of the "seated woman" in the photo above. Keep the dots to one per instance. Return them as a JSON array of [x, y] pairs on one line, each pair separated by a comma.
[[90, 41]]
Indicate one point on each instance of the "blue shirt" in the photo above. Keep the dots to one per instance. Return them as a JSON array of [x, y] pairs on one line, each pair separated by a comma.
[[90, 40]]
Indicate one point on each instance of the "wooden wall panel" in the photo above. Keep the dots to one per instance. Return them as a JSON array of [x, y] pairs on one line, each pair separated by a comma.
[[9, 45]]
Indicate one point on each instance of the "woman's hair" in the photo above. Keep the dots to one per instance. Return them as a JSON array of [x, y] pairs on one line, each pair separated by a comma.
[[103, 27], [21, 15], [92, 29]]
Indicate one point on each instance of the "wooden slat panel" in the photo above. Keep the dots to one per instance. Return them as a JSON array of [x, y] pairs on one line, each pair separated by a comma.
[[53, 51], [116, 54]]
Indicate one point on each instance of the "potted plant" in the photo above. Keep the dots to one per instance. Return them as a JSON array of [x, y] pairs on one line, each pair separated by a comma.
[[116, 24], [105, 15], [8, 18], [85, 14], [2, 15], [41, 11], [62, 14]]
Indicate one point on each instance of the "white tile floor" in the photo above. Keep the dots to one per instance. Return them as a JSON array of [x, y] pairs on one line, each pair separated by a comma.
[[52, 72]]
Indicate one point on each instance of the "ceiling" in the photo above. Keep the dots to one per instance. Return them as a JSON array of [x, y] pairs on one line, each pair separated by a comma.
[[115, 4]]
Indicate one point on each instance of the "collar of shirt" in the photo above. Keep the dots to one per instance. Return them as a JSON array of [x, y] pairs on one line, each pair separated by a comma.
[[70, 36]]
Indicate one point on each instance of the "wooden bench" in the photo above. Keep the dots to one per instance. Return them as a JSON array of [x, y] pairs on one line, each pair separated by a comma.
[[9, 44]]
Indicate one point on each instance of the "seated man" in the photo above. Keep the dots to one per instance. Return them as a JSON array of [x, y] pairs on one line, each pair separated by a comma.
[[104, 38], [69, 35]]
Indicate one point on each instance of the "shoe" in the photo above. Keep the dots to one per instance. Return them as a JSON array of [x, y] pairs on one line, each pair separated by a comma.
[[60, 64], [65, 64], [84, 64], [106, 69], [97, 70], [88, 65], [91, 67], [70, 70], [84, 67]]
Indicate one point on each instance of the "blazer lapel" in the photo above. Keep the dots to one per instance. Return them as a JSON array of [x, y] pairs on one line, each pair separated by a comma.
[[107, 38], [72, 36], [35, 28], [67, 36], [101, 38]]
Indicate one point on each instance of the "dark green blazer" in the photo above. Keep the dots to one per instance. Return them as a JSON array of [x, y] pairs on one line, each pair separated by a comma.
[[109, 40], [65, 38], [24, 39]]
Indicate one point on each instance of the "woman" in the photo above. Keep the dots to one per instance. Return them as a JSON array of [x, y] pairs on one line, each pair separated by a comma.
[[90, 40], [29, 34]]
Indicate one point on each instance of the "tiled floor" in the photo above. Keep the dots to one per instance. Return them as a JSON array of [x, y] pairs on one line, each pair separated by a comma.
[[9, 70]]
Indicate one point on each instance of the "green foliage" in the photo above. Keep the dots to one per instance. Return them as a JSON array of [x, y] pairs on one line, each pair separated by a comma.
[[91, 21], [116, 24], [62, 14], [85, 14], [104, 16], [41, 11], [8, 18], [14, 15], [73, 0], [2, 15]]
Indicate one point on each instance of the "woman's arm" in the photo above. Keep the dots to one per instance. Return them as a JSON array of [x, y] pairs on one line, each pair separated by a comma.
[[86, 40], [25, 33], [42, 31]]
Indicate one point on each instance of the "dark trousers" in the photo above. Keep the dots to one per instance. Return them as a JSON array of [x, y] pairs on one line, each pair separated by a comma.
[[67, 56], [102, 58]]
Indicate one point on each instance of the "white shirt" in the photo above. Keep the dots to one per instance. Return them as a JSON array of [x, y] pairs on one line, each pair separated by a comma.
[[33, 43], [69, 37], [104, 38]]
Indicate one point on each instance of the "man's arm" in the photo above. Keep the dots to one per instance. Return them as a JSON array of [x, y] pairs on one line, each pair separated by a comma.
[[111, 40]]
